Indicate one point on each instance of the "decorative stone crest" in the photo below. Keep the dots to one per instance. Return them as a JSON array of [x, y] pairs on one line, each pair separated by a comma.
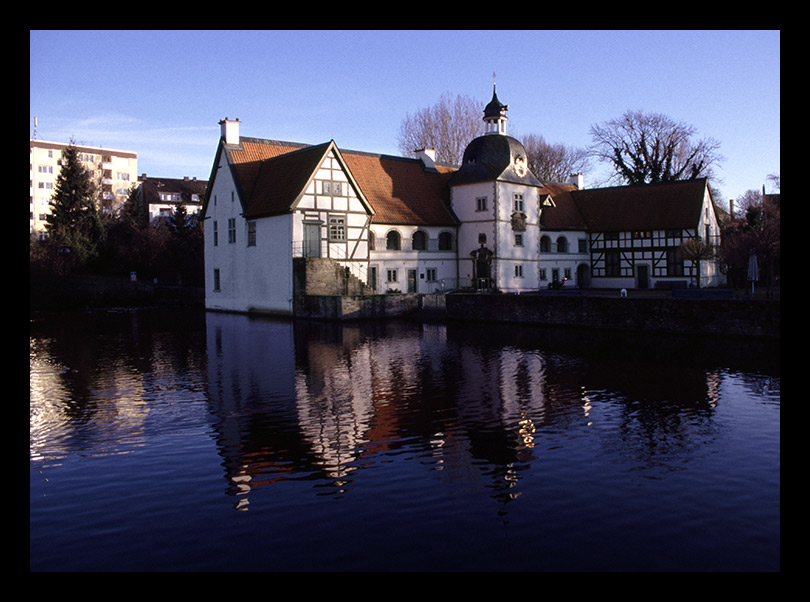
[[519, 221]]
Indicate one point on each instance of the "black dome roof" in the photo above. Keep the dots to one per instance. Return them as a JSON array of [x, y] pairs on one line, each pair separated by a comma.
[[492, 157]]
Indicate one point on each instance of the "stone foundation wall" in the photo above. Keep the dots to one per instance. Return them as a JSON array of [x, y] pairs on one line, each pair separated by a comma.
[[355, 307], [684, 316]]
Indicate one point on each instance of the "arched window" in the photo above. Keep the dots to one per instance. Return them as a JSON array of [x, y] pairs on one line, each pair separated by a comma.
[[392, 241], [562, 245], [419, 241], [445, 241], [545, 244], [372, 241]]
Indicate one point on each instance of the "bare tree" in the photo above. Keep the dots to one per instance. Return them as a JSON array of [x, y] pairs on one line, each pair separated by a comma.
[[447, 127], [696, 250], [553, 162], [646, 148]]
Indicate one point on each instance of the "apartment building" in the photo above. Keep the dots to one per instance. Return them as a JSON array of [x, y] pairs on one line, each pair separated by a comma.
[[113, 171]]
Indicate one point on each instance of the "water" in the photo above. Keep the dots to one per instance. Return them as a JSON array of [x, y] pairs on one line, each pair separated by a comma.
[[184, 441]]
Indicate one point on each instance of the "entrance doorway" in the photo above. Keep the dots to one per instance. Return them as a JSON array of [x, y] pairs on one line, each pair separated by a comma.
[[411, 281], [312, 240], [642, 276], [583, 276]]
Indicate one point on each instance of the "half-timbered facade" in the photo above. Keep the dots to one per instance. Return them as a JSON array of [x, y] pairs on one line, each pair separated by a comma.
[[411, 225], [635, 234]]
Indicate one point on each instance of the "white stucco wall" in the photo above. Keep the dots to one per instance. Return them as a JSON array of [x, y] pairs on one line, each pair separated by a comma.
[[251, 278], [710, 274], [435, 270]]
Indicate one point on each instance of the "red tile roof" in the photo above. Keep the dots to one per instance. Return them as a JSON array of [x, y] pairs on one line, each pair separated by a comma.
[[272, 174], [401, 191], [564, 215]]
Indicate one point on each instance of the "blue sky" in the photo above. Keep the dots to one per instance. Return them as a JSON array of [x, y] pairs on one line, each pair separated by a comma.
[[162, 93]]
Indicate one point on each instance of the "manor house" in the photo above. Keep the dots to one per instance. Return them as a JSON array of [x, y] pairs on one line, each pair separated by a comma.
[[391, 224]]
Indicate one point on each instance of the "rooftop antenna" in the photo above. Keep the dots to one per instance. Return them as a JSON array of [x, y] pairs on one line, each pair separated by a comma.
[[35, 128]]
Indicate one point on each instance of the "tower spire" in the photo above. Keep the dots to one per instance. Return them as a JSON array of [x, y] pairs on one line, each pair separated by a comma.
[[495, 113]]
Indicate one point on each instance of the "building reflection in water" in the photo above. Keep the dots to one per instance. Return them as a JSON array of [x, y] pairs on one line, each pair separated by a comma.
[[323, 401]]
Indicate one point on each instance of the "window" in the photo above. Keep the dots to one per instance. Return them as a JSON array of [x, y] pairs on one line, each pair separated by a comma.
[[251, 234], [430, 274], [337, 228], [232, 230], [518, 270], [332, 188], [543, 276], [216, 280], [518, 202], [419, 241], [391, 275], [445, 241], [392, 241], [481, 203], [216, 235], [518, 239], [545, 245], [562, 245], [372, 241], [582, 245]]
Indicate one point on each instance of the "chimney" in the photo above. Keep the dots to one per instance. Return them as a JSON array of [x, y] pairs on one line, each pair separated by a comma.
[[428, 157], [578, 180], [229, 130]]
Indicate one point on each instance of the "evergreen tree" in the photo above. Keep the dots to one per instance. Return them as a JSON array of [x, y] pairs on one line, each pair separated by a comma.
[[74, 225]]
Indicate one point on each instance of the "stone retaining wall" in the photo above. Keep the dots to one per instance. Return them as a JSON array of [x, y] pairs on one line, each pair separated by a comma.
[[685, 316], [355, 307]]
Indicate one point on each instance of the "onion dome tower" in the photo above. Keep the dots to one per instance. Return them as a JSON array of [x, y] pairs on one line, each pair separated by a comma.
[[495, 115], [494, 156]]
